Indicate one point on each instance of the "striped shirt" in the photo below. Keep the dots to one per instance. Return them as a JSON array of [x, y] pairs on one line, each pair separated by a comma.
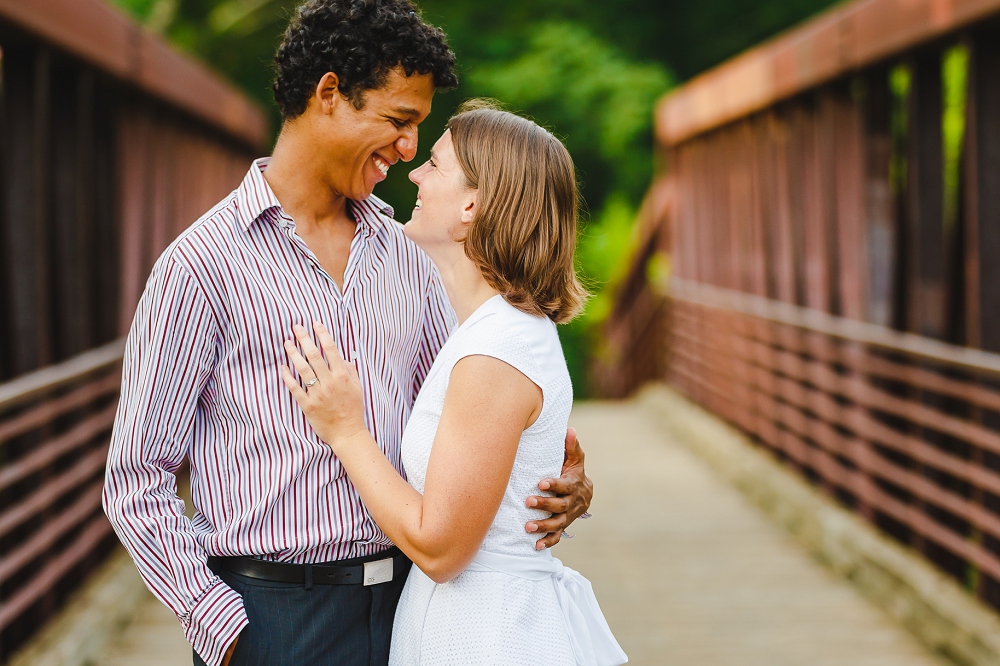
[[201, 381]]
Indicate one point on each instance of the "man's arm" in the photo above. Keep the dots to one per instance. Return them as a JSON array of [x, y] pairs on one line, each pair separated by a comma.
[[573, 493], [168, 359]]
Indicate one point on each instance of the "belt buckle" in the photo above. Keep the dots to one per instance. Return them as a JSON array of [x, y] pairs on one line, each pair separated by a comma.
[[377, 572]]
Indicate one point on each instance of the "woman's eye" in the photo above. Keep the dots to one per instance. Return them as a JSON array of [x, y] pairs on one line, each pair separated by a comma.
[[431, 162]]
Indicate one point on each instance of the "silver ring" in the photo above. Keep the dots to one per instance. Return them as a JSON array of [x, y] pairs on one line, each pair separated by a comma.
[[312, 381], [567, 535]]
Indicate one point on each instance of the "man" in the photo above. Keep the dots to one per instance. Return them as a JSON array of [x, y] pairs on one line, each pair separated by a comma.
[[281, 564]]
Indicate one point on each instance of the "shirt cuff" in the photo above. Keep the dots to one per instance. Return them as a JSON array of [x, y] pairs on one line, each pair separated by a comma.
[[214, 623]]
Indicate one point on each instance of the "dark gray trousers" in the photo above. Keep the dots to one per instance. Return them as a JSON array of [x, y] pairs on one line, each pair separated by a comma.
[[335, 625]]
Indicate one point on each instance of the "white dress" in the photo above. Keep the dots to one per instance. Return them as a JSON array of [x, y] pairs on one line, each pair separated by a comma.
[[485, 616]]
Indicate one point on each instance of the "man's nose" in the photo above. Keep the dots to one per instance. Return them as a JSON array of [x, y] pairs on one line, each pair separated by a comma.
[[406, 145]]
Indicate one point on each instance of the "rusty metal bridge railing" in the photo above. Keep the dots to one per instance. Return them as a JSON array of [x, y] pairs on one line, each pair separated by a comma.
[[831, 215], [54, 427], [110, 144]]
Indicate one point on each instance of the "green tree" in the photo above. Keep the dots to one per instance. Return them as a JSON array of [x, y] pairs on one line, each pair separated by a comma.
[[598, 101], [601, 104]]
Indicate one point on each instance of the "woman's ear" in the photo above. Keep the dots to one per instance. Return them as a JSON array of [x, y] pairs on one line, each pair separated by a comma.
[[471, 206]]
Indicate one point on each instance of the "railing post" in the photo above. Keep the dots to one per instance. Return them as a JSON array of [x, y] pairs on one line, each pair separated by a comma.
[[25, 199]]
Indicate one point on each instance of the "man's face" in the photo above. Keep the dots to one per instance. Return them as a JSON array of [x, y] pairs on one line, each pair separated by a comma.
[[362, 144]]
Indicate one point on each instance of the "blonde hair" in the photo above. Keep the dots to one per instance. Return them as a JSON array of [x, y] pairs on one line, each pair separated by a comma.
[[523, 236]]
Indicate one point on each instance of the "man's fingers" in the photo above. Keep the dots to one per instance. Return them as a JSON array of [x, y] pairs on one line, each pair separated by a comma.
[[300, 364], [226, 658], [561, 486], [556, 523], [574, 453], [548, 540], [550, 504]]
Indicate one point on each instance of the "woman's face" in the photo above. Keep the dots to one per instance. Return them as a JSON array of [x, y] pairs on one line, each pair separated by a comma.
[[445, 205]]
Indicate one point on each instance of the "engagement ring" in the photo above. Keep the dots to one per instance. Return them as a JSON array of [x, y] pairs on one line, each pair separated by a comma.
[[312, 381]]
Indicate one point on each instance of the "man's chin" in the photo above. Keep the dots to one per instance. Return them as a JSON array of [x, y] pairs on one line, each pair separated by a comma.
[[362, 193]]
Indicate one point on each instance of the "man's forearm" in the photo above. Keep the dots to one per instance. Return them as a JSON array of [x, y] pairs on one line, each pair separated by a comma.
[[168, 359], [140, 502]]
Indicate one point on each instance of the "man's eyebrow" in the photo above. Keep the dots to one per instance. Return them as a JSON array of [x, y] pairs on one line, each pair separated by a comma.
[[406, 111]]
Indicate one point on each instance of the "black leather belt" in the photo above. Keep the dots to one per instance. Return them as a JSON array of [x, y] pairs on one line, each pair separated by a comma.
[[371, 570]]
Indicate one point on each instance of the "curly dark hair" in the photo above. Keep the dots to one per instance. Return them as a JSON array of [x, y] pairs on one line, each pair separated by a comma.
[[360, 41]]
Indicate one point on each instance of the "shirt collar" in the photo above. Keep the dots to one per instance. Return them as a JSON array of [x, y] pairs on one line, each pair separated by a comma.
[[254, 195], [371, 214], [256, 198]]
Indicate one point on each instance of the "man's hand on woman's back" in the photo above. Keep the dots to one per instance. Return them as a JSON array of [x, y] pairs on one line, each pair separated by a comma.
[[573, 492]]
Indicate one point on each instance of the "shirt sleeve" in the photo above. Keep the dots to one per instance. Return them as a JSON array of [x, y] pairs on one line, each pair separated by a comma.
[[169, 358], [439, 321]]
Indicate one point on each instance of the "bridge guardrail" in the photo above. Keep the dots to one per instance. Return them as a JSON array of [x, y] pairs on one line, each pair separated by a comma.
[[111, 143], [833, 234], [55, 426]]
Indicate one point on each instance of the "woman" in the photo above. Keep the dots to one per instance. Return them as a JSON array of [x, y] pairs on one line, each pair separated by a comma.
[[496, 211]]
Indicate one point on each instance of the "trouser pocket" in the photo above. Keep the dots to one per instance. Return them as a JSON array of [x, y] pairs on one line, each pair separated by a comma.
[[325, 625]]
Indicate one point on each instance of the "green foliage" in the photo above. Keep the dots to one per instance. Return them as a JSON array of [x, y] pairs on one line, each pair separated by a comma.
[[604, 245], [604, 241], [954, 75], [686, 36], [899, 90], [590, 71], [600, 102]]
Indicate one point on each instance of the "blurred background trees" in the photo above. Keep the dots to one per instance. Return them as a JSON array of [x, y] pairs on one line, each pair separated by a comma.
[[589, 70]]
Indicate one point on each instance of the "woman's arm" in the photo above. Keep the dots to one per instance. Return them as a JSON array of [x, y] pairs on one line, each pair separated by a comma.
[[487, 406]]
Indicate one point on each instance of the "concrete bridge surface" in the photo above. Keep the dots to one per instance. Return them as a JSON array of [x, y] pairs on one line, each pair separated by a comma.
[[687, 572]]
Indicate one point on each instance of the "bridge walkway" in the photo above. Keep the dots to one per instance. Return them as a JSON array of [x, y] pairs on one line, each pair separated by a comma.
[[687, 572]]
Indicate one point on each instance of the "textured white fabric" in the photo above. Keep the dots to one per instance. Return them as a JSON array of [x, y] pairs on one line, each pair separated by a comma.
[[591, 637], [486, 617]]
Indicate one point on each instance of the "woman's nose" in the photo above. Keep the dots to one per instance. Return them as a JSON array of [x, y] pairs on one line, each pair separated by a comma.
[[417, 174]]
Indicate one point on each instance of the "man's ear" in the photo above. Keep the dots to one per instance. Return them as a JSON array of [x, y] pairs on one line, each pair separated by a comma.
[[327, 93]]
